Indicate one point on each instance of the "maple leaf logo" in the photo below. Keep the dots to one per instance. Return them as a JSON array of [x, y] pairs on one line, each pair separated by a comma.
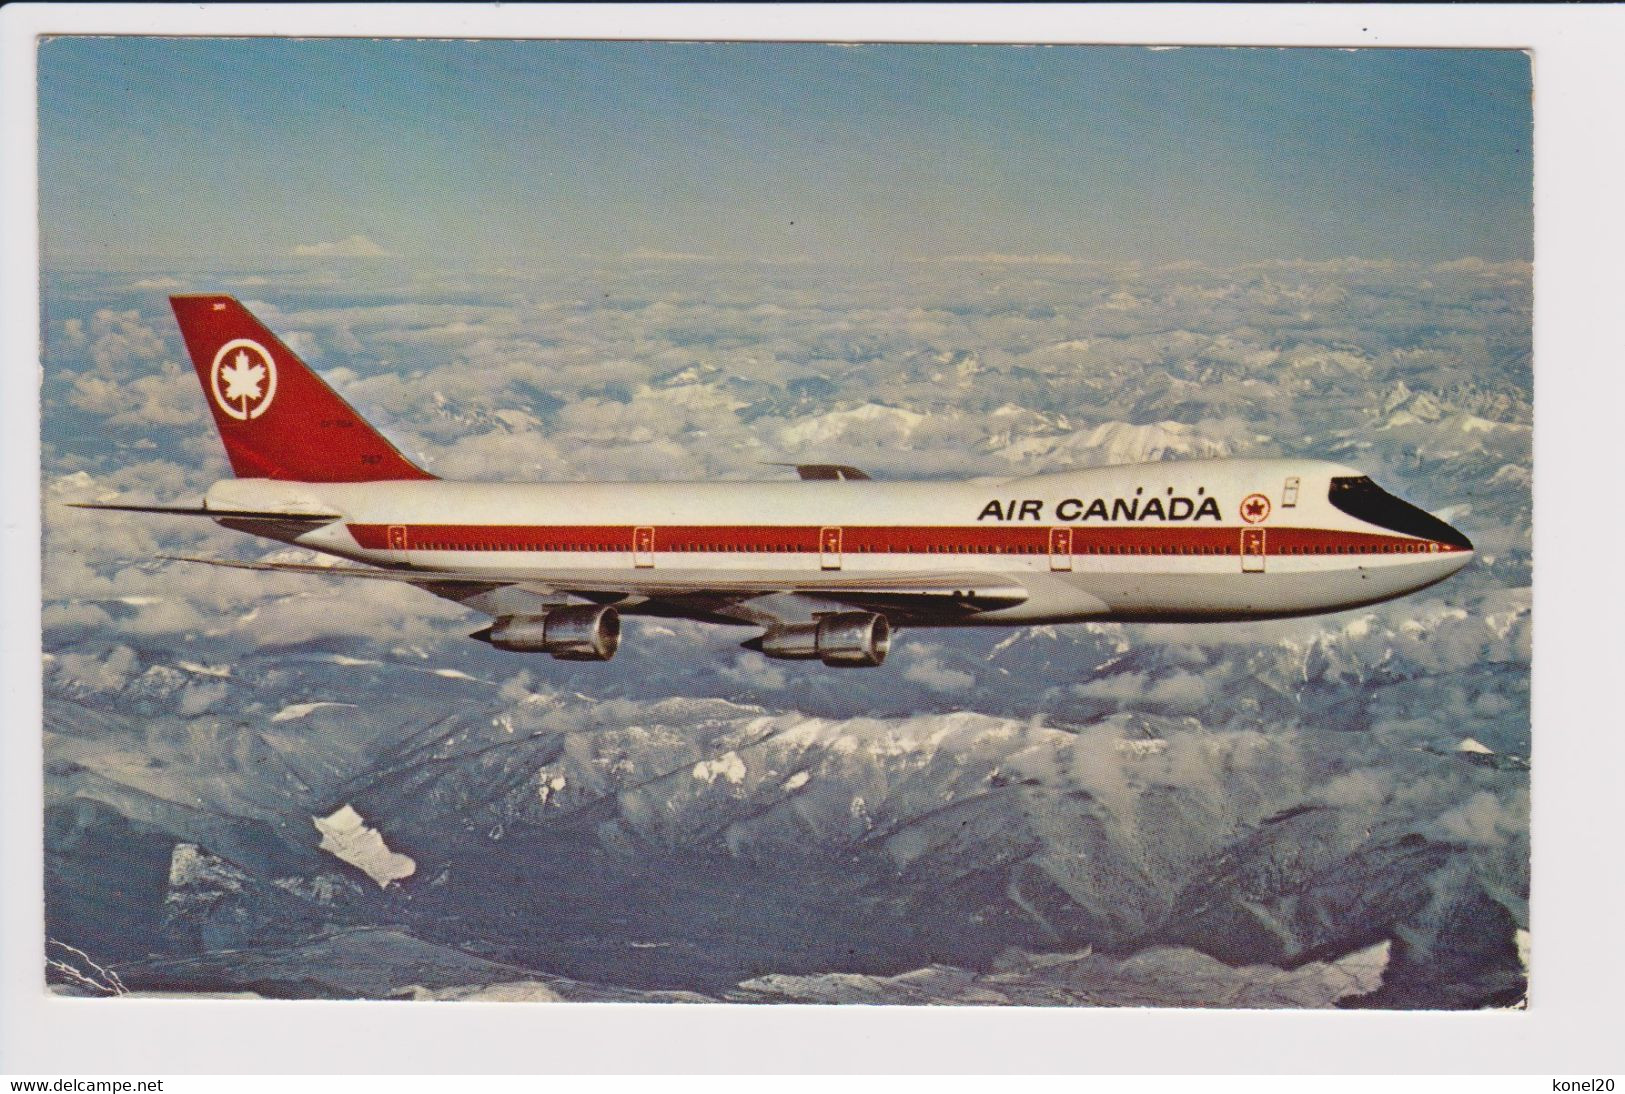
[[242, 379]]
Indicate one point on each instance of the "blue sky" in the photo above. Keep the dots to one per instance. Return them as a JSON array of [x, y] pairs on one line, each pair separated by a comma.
[[240, 151]]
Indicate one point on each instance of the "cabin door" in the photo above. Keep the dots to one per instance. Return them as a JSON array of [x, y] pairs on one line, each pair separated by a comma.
[[397, 541], [1060, 548], [643, 547], [1252, 550], [829, 548]]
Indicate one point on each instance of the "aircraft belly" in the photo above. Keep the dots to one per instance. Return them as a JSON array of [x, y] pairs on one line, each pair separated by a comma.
[[1290, 587], [1120, 588]]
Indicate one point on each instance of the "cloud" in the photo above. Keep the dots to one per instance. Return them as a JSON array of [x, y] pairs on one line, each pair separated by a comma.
[[996, 259], [59, 617], [938, 369], [1177, 690], [747, 354], [930, 672], [755, 673], [1486, 819], [122, 338], [645, 254], [100, 672], [356, 246], [169, 397], [200, 697], [1481, 268], [1125, 753]]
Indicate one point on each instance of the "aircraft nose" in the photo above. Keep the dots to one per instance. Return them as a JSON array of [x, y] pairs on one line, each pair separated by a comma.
[[1458, 550], [1462, 554], [1450, 534]]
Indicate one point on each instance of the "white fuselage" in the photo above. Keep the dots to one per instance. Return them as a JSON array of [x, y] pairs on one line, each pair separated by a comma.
[[1210, 539]]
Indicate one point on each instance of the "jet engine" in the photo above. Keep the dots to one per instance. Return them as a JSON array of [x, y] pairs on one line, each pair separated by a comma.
[[585, 632], [840, 639]]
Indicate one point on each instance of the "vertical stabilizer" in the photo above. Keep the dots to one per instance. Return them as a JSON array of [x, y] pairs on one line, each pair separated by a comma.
[[278, 419]]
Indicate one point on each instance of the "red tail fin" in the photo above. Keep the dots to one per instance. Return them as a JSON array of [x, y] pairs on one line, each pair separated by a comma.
[[276, 417]]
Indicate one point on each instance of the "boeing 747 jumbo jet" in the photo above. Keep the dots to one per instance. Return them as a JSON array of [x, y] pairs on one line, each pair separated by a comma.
[[826, 568]]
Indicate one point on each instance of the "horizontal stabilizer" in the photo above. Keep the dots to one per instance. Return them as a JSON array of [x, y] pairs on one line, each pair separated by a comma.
[[217, 514], [411, 577]]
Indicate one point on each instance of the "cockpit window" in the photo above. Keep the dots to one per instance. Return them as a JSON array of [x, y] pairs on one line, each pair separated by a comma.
[[1363, 499]]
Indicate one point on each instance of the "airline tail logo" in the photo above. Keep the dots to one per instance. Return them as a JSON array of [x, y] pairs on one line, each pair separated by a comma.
[[314, 436], [243, 379]]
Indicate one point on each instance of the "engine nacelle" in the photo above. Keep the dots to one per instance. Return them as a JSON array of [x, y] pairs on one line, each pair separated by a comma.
[[585, 632], [841, 639]]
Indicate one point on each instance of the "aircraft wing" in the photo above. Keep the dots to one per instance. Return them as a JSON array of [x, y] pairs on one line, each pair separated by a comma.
[[718, 597]]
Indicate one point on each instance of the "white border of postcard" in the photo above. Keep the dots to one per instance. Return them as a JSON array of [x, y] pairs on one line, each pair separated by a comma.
[[1573, 1021]]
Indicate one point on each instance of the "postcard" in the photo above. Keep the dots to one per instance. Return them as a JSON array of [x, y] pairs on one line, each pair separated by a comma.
[[767, 523]]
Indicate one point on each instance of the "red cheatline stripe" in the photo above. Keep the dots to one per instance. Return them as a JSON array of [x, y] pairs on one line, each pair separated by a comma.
[[883, 539]]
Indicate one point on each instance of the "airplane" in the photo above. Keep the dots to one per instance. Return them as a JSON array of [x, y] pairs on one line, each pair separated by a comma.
[[825, 568]]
